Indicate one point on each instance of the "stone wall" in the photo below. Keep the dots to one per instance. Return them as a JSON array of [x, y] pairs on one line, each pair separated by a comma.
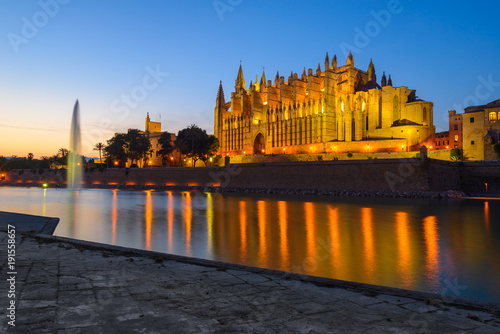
[[357, 175]]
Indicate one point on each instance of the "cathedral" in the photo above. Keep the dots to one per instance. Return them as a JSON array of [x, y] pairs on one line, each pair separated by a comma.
[[334, 110]]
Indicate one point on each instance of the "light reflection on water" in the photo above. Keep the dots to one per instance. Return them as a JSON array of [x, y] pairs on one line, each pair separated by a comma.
[[440, 246]]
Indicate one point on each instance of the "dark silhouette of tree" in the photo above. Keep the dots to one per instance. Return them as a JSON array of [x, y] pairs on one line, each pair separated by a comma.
[[117, 148], [193, 142], [167, 146], [139, 146], [30, 156], [99, 147]]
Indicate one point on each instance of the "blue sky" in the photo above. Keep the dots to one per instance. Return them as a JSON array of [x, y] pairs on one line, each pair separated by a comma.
[[53, 52]]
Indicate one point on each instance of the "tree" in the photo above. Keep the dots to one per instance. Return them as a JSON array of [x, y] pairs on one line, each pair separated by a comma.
[[211, 150], [139, 146], [99, 147], [117, 148], [30, 156], [193, 142]]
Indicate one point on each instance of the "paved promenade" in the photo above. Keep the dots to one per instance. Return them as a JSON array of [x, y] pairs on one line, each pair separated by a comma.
[[65, 287]]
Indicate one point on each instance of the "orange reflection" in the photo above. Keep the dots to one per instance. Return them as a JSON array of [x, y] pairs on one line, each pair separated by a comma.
[[368, 241], [311, 259], [282, 214], [114, 217], [431, 235], [243, 230], [404, 265], [210, 223], [148, 215], [333, 217], [187, 220], [261, 212], [487, 215], [170, 220]]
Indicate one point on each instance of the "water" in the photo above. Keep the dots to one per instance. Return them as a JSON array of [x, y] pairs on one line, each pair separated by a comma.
[[440, 246], [75, 148]]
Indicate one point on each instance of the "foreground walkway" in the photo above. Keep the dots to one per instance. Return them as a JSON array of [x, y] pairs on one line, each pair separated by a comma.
[[65, 287]]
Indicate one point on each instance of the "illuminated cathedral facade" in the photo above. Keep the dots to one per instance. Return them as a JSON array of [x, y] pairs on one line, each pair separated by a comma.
[[334, 110]]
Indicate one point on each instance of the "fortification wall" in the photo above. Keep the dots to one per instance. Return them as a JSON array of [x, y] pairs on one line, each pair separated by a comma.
[[355, 175]]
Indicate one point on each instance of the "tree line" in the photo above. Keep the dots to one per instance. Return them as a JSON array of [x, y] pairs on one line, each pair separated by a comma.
[[192, 142]]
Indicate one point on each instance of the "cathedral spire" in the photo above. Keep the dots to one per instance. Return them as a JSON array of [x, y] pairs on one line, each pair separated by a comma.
[[389, 82], [372, 77], [277, 79], [318, 71], [350, 59], [263, 82], [220, 97], [384, 80], [334, 62], [304, 75], [327, 62], [240, 80]]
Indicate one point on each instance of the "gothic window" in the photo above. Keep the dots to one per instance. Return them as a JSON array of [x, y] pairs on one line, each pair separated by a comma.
[[492, 116], [472, 119], [424, 122], [455, 127], [456, 138]]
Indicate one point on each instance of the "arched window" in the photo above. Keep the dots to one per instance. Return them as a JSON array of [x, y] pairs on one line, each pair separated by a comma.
[[492, 116], [424, 122], [395, 109]]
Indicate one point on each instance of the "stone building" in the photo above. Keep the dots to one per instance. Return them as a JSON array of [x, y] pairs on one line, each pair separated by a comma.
[[337, 109], [481, 131], [453, 138]]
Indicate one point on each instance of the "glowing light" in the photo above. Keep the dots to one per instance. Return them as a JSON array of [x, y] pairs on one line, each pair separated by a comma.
[[116, 162], [311, 148], [150, 162], [284, 149], [244, 152], [171, 158], [446, 146], [265, 103], [45, 185], [430, 147], [263, 151], [78, 164]]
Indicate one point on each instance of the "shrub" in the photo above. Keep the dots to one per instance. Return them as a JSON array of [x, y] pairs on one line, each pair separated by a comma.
[[349, 155], [456, 154], [319, 157], [21, 172], [41, 171]]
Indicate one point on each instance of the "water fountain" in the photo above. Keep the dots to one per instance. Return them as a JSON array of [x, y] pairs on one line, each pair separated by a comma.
[[75, 145]]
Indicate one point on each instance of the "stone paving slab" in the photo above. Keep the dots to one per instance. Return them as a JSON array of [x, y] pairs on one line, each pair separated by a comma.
[[77, 287]]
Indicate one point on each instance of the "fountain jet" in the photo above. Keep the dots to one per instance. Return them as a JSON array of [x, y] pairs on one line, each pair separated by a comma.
[[75, 146]]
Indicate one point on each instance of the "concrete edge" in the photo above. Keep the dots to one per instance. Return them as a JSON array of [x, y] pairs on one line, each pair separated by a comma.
[[367, 289]]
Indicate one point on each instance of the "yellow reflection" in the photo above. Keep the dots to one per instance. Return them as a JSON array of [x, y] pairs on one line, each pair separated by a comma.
[[404, 265], [333, 217], [148, 215], [487, 215], [243, 231], [311, 258], [210, 223], [282, 214], [187, 220], [261, 212], [368, 242], [114, 217], [170, 220], [44, 206], [431, 235]]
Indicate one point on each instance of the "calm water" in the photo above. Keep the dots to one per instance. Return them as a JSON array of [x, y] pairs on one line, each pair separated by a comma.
[[441, 246]]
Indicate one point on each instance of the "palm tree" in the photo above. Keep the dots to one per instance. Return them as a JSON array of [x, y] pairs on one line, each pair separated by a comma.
[[99, 147]]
